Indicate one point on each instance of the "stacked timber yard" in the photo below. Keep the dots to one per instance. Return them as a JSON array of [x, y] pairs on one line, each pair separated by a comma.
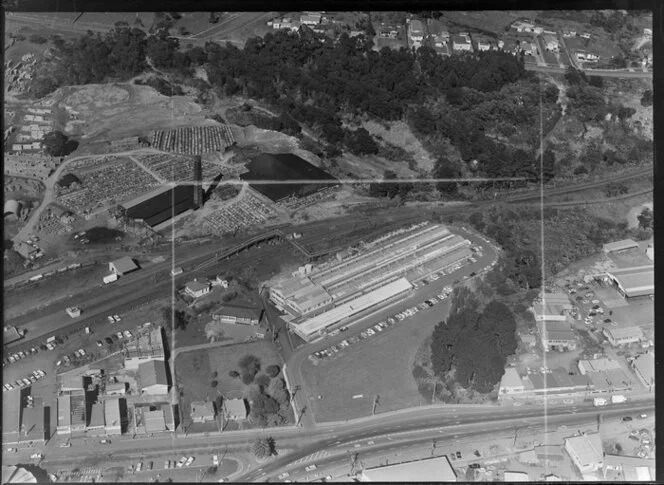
[[317, 299]]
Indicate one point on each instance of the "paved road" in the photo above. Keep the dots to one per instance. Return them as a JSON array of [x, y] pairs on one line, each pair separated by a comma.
[[625, 74]]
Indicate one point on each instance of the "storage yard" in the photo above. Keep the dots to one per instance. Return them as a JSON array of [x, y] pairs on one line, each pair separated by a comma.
[[194, 140], [317, 298], [176, 169], [111, 184], [246, 212]]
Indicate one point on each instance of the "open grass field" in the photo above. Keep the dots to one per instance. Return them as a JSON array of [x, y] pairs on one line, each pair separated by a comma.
[[380, 366], [490, 21]]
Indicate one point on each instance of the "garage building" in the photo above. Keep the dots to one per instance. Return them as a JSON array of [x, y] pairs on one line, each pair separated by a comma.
[[634, 282], [122, 266]]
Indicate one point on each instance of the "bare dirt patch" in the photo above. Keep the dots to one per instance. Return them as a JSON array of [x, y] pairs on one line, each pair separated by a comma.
[[399, 134]]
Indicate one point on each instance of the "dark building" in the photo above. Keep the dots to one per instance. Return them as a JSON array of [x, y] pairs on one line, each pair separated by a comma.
[[198, 182], [163, 206], [300, 177]]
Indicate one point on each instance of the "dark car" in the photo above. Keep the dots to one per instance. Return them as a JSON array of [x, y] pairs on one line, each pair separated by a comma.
[[108, 340], [627, 418], [114, 338], [607, 320], [474, 465], [458, 454], [473, 274]]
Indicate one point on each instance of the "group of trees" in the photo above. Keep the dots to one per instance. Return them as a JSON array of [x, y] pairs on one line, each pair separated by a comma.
[[179, 315], [57, 144], [264, 447], [473, 344]]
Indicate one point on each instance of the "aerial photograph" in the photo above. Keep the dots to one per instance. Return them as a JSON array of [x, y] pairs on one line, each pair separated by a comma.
[[328, 246]]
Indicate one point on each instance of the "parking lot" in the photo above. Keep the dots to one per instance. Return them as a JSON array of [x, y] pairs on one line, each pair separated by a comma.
[[243, 213]]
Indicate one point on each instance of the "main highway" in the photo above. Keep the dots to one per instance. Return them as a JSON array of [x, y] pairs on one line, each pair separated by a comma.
[[410, 424]]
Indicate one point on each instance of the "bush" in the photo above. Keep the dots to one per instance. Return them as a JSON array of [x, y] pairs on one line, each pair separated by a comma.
[[213, 384], [214, 375], [272, 370], [247, 378], [250, 364], [262, 380], [646, 99], [580, 170], [419, 372]]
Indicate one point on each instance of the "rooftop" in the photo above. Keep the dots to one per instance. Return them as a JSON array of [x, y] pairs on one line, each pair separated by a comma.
[[201, 409], [623, 332], [152, 373], [239, 311], [235, 408], [124, 264], [645, 364], [196, 286], [97, 415], [587, 447], [154, 421], [636, 281], [620, 245], [428, 470], [112, 412]]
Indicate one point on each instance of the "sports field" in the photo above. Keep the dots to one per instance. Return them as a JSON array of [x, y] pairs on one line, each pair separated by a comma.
[[378, 366]]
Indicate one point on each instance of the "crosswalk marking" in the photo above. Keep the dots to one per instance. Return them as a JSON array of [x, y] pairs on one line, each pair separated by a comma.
[[312, 457]]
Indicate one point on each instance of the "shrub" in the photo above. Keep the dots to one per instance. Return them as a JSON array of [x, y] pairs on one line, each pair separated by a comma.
[[250, 364], [247, 378], [38, 39], [214, 374], [213, 384], [262, 380], [272, 370], [580, 170], [419, 372]]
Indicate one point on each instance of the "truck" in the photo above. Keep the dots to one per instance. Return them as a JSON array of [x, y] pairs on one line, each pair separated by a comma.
[[110, 278], [617, 399], [74, 311], [599, 401]]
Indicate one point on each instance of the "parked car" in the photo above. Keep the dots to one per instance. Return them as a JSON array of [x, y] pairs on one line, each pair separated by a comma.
[[100, 343], [423, 306], [119, 335], [167, 464], [81, 351], [139, 466], [378, 328], [215, 460], [110, 319], [458, 454], [370, 331], [391, 320], [626, 418], [310, 468], [127, 334], [108, 340], [117, 318], [181, 463], [189, 461]]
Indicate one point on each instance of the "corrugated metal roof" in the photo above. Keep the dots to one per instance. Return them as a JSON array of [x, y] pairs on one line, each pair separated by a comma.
[[625, 332], [64, 411], [154, 421], [238, 312], [587, 447], [350, 308], [97, 415], [428, 470], [112, 412], [645, 364]]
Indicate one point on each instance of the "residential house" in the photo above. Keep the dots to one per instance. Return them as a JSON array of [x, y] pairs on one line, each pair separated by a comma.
[[416, 30], [218, 281], [585, 56], [586, 452], [551, 306], [510, 476], [116, 389], [122, 266], [523, 26], [235, 409], [484, 45], [238, 314], [551, 42], [310, 19], [196, 289], [461, 43], [202, 411], [152, 375]]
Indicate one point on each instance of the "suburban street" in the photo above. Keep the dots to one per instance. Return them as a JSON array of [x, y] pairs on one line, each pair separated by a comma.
[[593, 72]]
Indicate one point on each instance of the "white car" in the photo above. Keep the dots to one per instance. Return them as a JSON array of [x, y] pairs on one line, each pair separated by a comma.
[[283, 475], [117, 318], [378, 328], [127, 334], [139, 467], [36, 456], [310, 468], [189, 461], [181, 463], [110, 319], [370, 331], [119, 334], [81, 351], [215, 460]]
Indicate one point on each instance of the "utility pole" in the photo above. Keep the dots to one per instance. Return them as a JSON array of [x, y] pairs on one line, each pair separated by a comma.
[[433, 446], [433, 394], [375, 403], [302, 411]]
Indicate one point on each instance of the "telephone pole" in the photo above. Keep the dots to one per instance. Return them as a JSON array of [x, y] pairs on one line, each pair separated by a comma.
[[375, 403]]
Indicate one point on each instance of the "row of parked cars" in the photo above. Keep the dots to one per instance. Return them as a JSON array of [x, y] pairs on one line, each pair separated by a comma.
[[25, 381], [50, 344], [77, 354], [184, 462], [379, 327]]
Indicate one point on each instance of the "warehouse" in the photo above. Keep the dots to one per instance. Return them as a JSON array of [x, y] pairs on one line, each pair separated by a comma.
[[268, 168], [122, 266], [239, 315], [623, 335], [644, 367], [323, 296], [586, 452], [634, 282], [162, 205], [113, 424], [437, 469]]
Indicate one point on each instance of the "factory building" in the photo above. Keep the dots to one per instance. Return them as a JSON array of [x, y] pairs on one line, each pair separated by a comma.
[[634, 282], [317, 298]]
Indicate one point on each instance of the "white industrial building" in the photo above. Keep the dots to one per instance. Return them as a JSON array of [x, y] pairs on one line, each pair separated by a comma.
[[320, 297], [586, 452], [153, 379]]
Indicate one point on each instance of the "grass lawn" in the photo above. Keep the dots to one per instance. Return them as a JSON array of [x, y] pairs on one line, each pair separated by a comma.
[[379, 366], [194, 372]]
